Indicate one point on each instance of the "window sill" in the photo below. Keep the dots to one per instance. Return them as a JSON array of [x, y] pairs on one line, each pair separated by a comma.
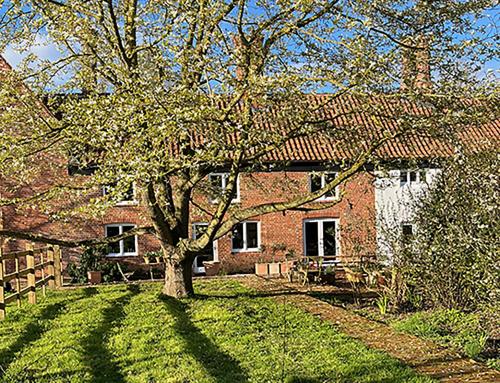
[[251, 250], [118, 255], [215, 202], [127, 203], [326, 199]]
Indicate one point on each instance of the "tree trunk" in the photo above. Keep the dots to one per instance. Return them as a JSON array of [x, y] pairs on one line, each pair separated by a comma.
[[178, 278]]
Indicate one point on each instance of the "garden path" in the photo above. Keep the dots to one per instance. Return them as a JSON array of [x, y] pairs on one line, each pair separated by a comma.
[[424, 356]]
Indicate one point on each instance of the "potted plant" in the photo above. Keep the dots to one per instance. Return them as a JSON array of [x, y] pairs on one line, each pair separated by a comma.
[[287, 265], [91, 262], [274, 265], [151, 257], [261, 267], [212, 268]]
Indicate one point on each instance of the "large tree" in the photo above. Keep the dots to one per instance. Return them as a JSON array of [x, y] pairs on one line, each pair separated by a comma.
[[162, 93]]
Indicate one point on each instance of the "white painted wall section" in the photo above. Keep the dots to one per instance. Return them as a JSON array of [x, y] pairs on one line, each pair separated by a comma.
[[395, 203]]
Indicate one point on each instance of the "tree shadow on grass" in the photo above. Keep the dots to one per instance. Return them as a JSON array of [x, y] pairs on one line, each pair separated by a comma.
[[35, 329], [95, 353], [221, 366], [251, 294]]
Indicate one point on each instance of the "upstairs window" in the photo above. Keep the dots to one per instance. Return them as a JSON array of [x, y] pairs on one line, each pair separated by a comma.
[[219, 182], [318, 181], [408, 177], [127, 198], [246, 237], [124, 248]]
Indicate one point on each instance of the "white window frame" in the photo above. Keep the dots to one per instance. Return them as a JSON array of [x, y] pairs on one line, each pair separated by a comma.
[[246, 249], [413, 227], [120, 232], [418, 177], [323, 184], [214, 243], [320, 222], [134, 201], [224, 177]]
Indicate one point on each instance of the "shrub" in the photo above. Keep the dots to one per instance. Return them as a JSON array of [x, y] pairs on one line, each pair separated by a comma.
[[452, 259]]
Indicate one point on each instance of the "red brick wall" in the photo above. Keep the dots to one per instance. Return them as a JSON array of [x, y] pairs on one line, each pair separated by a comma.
[[355, 213]]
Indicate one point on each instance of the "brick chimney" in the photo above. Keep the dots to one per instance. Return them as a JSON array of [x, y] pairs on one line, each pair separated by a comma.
[[416, 69], [245, 61]]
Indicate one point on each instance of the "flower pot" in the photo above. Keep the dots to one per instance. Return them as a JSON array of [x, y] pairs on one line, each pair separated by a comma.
[[261, 269], [158, 259], [286, 266], [95, 277], [274, 268], [146, 260], [212, 268]]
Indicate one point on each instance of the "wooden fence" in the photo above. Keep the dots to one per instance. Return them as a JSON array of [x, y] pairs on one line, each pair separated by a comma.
[[42, 268]]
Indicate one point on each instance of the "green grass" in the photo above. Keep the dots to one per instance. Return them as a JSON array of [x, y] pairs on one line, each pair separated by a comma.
[[116, 334], [452, 328]]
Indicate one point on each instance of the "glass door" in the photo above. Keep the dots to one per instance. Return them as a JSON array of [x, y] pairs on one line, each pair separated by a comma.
[[208, 251], [320, 238]]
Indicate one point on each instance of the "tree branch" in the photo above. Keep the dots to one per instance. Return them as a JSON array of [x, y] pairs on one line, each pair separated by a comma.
[[74, 244]]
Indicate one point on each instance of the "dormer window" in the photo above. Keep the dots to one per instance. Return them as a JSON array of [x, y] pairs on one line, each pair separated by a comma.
[[219, 182], [318, 181]]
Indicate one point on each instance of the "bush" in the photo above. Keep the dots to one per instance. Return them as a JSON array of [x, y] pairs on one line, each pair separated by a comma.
[[452, 260], [449, 327]]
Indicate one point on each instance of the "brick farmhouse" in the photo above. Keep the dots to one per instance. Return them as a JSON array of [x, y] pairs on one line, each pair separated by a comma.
[[347, 231]]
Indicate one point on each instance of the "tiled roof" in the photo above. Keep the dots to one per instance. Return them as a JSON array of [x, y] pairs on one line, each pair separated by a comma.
[[363, 119]]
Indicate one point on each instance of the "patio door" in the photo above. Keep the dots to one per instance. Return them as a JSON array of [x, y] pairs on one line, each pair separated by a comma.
[[321, 238], [208, 252]]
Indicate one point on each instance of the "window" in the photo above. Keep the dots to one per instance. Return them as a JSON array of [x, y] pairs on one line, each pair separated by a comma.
[[320, 237], [246, 236], [407, 229], [126, 198], [125, 247], [219, 183], [411, 176], [319, 181], [407, 233]]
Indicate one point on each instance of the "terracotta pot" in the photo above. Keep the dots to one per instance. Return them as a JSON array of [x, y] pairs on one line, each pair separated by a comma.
[[212, 268], [95, 277], [274, 268], [285, 267], [261, 269]]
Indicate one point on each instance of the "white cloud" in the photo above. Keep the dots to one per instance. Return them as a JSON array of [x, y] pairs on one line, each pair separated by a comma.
[[42, 48]]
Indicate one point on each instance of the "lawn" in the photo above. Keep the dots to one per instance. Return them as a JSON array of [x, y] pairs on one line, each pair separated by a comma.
[[129, 333]]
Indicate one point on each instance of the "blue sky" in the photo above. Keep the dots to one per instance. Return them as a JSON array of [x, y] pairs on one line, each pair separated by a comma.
[[44, 49]]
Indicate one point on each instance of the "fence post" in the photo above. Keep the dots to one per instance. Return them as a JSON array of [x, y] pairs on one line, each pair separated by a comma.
[[2, 291], [42, 260], [50, 267], [30, 265], [57, 267], [18, 282]]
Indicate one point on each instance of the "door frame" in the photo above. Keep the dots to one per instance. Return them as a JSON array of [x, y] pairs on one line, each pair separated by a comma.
[[201, 270], [320, 234]]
